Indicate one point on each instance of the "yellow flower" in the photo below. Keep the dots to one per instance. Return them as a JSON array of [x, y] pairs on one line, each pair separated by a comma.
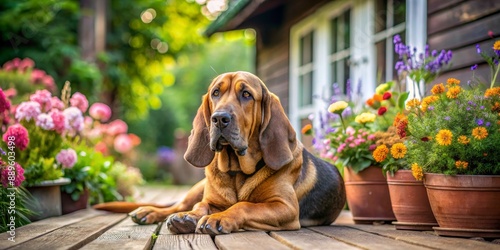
[[452, 81], [496, 45], [461, 164], [413, 103], [437, 89], [365, 118], [382, 88], [380, 153], [398, 150], [492, 92], [427, 101], [453, 92], [338, 107], [444, 137], [463, 140], [480, 133], [417, 172]]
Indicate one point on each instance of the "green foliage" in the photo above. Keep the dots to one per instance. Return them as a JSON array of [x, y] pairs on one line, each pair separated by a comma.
[[20, 212]]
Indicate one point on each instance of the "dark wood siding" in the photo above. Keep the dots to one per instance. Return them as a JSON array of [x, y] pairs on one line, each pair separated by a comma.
[[459, 25]]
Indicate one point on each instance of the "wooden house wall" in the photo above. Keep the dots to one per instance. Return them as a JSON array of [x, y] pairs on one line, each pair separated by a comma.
[[459, 25]]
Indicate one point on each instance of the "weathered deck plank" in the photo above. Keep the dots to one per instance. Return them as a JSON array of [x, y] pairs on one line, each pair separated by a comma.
[[39, 228], [75, 235], [184, 241], [248, 240], [427, 239], [125, 235], [307, 239], [363, 239]]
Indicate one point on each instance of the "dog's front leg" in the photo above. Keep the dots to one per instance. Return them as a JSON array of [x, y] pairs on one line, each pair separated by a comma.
[[185, 222], [276, 215]]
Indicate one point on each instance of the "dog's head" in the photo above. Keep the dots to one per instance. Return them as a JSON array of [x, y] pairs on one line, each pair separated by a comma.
[[240, 116]]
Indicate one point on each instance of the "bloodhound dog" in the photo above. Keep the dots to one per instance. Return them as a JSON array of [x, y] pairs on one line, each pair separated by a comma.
[[258, 175]]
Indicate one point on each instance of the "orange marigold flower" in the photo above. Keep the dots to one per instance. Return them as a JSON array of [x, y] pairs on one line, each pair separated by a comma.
[[370, 102], [399, 117], [461, 164], [306, 129], [496, 107], [480, 133], [398, 150], [492, 92], [413, 103], [444, 137], [496, 45], [453, 92], [463, 140], [380, 153], [378, 97], [438, 89], [417, 171], [427, 101], [452, 81]]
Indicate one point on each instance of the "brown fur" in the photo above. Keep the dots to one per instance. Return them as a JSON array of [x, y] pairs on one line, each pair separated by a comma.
[[256, 175]]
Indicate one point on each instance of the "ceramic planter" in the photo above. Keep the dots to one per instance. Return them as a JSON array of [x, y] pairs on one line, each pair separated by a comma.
[[69, 205], [465, 205], [368, 196], [47, 197], [410, 202]]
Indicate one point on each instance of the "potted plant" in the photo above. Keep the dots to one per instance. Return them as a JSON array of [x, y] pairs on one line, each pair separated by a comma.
[[454, 138]]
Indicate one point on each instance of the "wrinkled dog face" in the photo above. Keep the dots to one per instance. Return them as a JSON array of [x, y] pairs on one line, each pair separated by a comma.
[[235, 104]]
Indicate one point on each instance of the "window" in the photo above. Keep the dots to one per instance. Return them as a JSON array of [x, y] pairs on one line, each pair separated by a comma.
[[340, 49], [306, 70]]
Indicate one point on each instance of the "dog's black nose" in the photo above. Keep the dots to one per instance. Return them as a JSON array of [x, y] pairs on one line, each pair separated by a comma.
[[221, 119]]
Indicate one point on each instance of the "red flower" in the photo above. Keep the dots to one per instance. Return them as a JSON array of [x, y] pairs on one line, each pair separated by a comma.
[[382, 110], [387, 95], [18, 134]]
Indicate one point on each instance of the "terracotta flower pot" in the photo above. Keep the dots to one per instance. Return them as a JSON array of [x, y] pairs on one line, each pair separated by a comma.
[[69, 205], [47, 199], [465, 205], [410, 202], [368, 196]]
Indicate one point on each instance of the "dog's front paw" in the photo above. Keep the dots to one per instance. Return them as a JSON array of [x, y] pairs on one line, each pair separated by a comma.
[[146, 215], [182, 223], [217, 224]]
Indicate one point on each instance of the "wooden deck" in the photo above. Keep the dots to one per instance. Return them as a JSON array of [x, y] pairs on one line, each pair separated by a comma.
[[92, 229]]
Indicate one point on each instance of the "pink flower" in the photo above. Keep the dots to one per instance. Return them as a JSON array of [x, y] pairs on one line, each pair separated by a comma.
[[59, 120], [123, 143], [117, 127], [13, 176], [45, 122], [28, 110], [12, 64], [352, 145], [101, 147], [73, 119], [372, 147], [43, 97], [100, 111], [56, 103], [80, 101], [350, 130], [67, 158], [4, 102], [371, 137], [37, 75], [341, 147], [18, 134], [25, 64]]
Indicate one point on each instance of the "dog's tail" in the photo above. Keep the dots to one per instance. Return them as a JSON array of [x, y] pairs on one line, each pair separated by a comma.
[[125, 206]]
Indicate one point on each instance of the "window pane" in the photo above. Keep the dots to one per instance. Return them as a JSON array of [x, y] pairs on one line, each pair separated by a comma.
[[334, 35], [380, 15], [381, 55], [305, 89], [399, 11], [306, 48], [347, 27], [335, 77]]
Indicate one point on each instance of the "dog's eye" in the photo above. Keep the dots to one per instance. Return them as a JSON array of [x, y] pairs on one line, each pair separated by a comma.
[[215, 93], [246, 94]]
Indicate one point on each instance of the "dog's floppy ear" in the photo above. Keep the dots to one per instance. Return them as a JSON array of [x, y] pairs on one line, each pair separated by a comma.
[[277, 137], [198, 152]]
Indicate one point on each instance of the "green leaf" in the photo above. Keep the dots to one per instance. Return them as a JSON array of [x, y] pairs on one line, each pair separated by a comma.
[[402, 99]]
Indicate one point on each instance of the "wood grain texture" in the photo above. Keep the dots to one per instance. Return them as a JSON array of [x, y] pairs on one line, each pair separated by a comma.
[[250, 240], [363, 239], [426, 239], [125, 235], [39, 228], [307, 239], [75, 235], [184, 241]]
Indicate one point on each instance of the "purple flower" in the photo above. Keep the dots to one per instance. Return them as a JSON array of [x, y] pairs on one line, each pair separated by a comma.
[[473, 67], [479, 122], [67, 158], [478, 49], [430, 108], [488, 124], [482, 107], [165, 155], [397, 39], [447, 118]]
